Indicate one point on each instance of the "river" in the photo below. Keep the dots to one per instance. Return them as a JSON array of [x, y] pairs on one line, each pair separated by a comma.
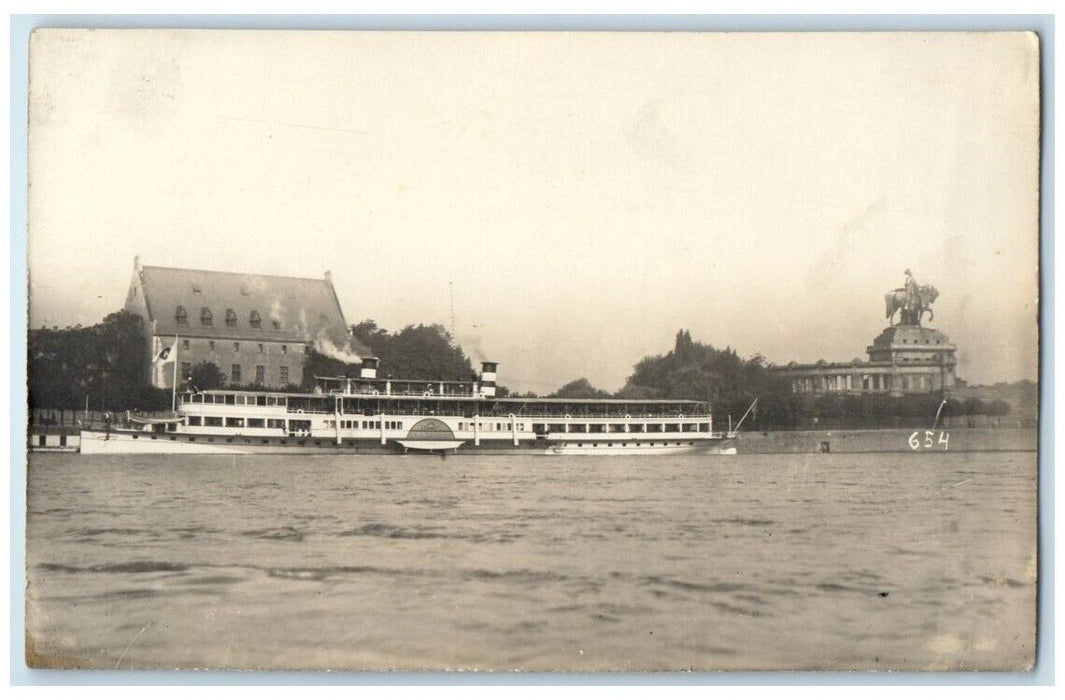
[[827, 561]]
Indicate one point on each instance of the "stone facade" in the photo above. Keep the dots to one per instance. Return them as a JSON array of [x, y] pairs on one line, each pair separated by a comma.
[[903, 359]]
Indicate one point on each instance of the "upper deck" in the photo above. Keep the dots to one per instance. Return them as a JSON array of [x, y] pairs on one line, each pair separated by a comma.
[[346, 395]]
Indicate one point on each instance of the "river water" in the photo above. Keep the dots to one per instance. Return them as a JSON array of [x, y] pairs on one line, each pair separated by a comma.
[[856, 561]]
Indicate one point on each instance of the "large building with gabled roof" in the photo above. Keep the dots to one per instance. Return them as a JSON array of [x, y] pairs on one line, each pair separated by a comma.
[[257, 329]]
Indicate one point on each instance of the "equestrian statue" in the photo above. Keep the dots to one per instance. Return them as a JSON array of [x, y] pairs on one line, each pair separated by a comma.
[[911, 301]]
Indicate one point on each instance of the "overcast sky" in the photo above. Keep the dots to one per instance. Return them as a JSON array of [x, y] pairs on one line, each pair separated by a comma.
[[586, 195]]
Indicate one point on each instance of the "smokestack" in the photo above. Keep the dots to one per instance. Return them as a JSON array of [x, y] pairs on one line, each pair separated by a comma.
[[369, 368], [488, 378]]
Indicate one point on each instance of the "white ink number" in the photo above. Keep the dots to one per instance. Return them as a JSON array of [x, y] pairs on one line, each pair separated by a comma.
[[930, 440]]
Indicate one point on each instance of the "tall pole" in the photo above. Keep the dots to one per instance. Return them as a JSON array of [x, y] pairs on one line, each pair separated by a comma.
[[173, 389]]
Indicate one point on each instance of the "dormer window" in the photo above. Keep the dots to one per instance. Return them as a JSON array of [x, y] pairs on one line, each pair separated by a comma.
[[231, 318], [181, 316], [205, 317], [255, 320]]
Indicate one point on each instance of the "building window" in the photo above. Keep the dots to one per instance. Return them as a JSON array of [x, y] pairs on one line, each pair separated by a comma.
[[236, 347], [262, 349], [277, 324], [235, 374], [210, 345], [255, 320], [284, 349], [186, 370], [184, 343], [306, 349], [260, 374], [231, 318], [181, 316], [206, 318]]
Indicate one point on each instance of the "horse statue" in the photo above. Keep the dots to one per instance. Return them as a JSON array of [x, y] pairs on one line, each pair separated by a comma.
[[899, 300]]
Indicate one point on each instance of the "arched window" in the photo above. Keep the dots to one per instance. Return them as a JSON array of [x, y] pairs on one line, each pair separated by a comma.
[[182, 316], [231, 318], [255, 320], [205, 317]]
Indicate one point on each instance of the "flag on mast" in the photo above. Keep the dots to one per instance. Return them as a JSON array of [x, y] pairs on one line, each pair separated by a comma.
[[166, 354]]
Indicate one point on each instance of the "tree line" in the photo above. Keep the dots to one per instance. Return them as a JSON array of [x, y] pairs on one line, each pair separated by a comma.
[[107, 363]]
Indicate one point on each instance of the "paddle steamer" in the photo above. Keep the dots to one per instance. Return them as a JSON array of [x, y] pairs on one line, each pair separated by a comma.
[[368, 414]]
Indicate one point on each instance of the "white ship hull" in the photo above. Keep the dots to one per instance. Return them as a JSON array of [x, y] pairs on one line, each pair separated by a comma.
[[139, 442]]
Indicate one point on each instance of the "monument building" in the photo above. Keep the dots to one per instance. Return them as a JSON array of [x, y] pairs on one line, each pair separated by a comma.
[[257, 329], [906, 357]]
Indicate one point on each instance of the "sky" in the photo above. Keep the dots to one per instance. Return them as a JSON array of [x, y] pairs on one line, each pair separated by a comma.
[[570, 200]]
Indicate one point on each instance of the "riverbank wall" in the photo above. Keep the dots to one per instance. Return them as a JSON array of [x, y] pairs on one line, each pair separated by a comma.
[[891, 440]]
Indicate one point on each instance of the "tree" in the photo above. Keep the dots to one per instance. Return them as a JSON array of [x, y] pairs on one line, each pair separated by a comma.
[[416, 352], [207, 375], [579, 389], [106, 363]]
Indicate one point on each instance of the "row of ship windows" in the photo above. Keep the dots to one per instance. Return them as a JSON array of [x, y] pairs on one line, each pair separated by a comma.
[[628, 444], [236, 376], [351, 443], [632, 428], [366, 424], [489, 427], [185, 345]]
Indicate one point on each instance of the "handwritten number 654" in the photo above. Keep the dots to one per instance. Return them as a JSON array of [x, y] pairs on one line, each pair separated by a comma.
[[930, 440]]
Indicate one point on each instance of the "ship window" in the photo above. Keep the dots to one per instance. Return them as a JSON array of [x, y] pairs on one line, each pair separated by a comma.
[[231, 318], [206, 318], [195, 420], [181, 316], [212, 421], [254, 319], [234, 422]]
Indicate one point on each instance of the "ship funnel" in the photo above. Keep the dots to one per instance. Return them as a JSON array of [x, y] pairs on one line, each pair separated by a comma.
[[369, 368], [488, 378]]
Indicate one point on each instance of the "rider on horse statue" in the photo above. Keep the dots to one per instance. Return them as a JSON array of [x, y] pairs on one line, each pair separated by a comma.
[[912, 301]]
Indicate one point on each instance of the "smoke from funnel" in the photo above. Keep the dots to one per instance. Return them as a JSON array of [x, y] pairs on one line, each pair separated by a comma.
[[471, 344], [324, 346]]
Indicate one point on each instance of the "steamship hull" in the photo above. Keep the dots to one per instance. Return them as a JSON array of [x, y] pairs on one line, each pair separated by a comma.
[[367, 415], [118, 442]]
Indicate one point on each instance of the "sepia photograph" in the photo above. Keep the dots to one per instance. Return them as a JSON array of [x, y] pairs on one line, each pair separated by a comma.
[[532, 351]]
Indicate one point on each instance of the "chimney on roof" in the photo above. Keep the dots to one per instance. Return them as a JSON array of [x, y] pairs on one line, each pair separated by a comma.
[[329, 276]]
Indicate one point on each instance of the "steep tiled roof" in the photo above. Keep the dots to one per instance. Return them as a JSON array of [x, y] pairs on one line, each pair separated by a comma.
[[244, 306]]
